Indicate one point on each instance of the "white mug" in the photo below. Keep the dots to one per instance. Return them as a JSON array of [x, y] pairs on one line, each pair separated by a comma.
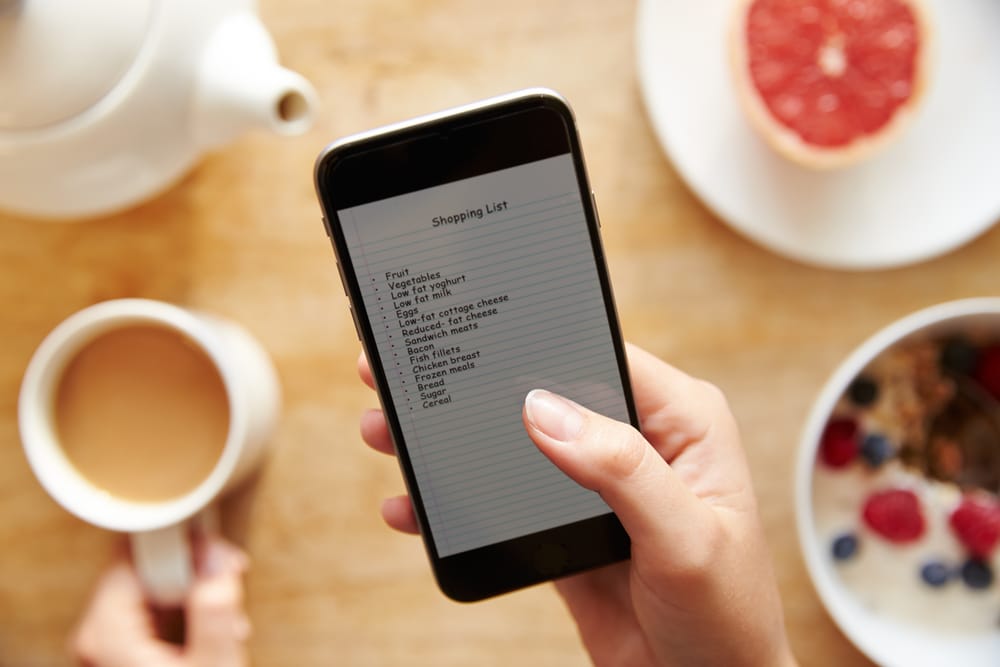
[[159, 530]]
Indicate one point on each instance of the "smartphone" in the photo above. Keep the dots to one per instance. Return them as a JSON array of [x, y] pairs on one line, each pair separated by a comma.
[[468, 244]]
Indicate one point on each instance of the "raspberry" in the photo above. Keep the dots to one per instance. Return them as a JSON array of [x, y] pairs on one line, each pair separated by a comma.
[[988, 370], [839, 444], [976, 524], [895, 514]]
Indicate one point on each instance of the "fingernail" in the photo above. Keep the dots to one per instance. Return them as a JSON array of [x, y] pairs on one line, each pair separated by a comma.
[[221, 557], [240, 558], [553, 415], [242, 628], [216, 559]]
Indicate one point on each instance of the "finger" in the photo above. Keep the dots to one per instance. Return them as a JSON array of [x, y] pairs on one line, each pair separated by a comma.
[[116, 629], [615, 460], [365, 371], [375, 432], [677, 409], [217, 625], [398, 514], [214, 553], [119, 586], [582, 591], [601, 603]]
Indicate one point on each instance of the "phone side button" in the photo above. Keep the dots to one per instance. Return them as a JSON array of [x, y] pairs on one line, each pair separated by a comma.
[[326, 226], [354, 318], [343, 281], [593, 202]]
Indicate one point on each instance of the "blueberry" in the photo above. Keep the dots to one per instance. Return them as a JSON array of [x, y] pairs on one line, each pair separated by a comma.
[[863, 391], [977, 573], [958, 355], [876, 449], [845, 546], [935, 574]]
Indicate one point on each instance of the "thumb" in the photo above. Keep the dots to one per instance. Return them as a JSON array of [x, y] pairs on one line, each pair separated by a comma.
[[217, 624], [612, 458]]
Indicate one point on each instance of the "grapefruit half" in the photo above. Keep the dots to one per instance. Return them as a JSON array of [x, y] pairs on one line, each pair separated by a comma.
[[829, 82]]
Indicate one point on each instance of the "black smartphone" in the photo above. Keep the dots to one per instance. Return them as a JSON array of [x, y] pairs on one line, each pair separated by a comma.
[[468, 244]]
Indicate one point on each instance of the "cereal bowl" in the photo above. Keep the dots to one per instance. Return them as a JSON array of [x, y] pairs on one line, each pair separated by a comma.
[[896, 489]]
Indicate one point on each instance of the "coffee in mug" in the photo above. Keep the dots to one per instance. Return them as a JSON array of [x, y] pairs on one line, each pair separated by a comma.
[[142, 413]]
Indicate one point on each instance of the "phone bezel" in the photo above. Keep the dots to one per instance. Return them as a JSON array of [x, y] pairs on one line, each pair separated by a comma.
[[509, 130]]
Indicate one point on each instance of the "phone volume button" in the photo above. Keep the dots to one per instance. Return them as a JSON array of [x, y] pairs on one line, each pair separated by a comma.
[[343, 281], [354, 318], [326, 226], [593, 202]]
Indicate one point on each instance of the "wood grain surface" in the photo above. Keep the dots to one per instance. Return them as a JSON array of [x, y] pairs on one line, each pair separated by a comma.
[[240, 236]]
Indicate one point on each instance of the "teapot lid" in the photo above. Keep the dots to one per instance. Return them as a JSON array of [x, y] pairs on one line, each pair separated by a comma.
[[60, 57]]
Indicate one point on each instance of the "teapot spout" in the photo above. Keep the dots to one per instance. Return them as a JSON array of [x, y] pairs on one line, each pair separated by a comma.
[[241, 86]]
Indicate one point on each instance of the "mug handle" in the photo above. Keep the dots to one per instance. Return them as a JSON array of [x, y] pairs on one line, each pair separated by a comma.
[[164, 561]]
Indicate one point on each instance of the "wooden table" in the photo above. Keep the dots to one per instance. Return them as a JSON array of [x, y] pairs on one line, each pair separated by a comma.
[[240, 235]]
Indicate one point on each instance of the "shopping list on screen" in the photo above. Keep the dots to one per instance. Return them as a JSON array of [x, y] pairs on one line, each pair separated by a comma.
[[478, 291]]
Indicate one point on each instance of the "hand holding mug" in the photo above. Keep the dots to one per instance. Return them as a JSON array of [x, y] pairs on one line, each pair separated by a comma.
[[117, 628]]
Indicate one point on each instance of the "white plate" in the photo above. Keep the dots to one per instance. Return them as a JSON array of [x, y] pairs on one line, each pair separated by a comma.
[[936, 187]]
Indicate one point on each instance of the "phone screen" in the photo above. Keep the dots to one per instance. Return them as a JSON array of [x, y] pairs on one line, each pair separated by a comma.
[[476, 274], [480, 290]]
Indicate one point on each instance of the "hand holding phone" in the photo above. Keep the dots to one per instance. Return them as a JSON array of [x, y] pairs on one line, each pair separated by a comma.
[[699, 588], [468, 245]]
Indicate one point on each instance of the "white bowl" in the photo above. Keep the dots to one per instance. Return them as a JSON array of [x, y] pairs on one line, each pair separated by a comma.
[[883, 639]]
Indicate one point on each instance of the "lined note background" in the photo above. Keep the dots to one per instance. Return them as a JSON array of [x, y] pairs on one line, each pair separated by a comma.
[[481, 478]]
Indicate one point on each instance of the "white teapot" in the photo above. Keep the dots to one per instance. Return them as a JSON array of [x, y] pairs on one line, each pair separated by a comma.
[[104, 104]]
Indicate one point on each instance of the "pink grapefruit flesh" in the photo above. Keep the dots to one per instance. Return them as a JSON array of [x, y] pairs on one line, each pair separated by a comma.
[[826, 77]]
